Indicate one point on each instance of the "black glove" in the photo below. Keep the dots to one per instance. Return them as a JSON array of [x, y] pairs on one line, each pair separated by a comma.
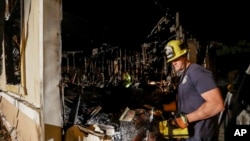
[[179, 120]]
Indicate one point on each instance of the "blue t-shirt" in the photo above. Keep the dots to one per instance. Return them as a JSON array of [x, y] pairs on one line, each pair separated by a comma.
[[196, 81]]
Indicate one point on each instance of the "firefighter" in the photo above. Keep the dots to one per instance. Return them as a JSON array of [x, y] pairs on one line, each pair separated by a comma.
[[199, 100], [126, 80]]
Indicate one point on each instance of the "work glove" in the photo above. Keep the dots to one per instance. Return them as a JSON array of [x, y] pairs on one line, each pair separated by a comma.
[[170, 107], [179, 120]]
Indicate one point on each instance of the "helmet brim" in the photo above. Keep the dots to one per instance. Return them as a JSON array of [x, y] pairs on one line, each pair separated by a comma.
[[175, 57]]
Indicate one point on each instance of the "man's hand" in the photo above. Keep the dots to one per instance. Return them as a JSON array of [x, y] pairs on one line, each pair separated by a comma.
[[180, 120]]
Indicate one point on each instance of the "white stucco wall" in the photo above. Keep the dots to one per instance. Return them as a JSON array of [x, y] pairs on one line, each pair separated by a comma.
[[41, 70], [52, 61]]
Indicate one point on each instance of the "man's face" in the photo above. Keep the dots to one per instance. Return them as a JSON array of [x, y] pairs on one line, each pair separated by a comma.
[[179, 64]]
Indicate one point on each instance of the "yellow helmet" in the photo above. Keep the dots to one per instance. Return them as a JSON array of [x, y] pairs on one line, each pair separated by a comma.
[[173, 50]]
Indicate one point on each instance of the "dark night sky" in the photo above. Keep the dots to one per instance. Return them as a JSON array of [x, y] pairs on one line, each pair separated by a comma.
[[130, 21]]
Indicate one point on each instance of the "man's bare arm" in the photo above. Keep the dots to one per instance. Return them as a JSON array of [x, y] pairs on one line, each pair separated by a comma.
[[212, 106]]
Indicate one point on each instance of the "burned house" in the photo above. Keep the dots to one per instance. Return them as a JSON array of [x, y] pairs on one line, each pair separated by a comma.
[[57, 76]]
